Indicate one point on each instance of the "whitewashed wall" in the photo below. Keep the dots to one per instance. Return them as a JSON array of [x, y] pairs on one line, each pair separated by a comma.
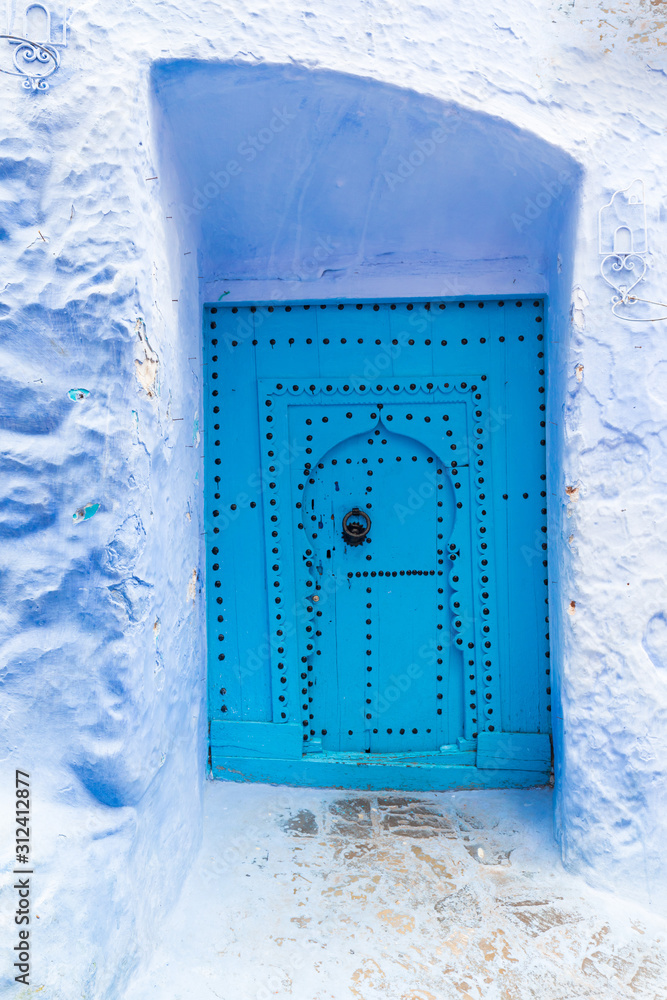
[[102, 664]]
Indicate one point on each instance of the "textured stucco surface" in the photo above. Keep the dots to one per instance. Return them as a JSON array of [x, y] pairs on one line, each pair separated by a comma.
[[102, 663]]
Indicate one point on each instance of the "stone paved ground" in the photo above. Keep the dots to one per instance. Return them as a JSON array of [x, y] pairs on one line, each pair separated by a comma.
[[326, 895]]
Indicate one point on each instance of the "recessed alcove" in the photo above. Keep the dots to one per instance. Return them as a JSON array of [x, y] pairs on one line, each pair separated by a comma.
[[292, 185], [281, 174]]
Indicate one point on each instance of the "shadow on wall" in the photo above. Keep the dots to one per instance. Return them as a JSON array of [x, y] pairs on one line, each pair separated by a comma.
[[278, 172]]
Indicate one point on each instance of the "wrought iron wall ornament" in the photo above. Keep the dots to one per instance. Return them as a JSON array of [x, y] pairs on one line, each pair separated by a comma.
[[35, 34], [623, 247], [32, 61]]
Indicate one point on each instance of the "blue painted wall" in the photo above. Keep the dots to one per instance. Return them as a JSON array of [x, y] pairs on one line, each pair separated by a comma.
[[90, 173]]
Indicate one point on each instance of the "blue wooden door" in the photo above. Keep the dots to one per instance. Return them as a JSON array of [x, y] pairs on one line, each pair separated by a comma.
[[377, 477]]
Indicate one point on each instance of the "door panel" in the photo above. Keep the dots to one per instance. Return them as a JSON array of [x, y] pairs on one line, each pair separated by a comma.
[[376, 679], [425, 622], [385, 623]]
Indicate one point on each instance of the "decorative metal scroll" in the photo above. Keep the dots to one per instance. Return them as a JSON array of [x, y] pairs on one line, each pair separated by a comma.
[[623, 246], [36, 31], [32, 61]]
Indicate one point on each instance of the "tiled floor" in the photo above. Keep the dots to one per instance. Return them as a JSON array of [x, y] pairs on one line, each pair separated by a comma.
[[323, 895]]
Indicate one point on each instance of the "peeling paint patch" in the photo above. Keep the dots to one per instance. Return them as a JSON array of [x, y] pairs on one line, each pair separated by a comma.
[[146, 369], [572, 493], [438, 868], [579, 373], [77, 394], [572, 607], [538, 918], [86, 512], [579, 303], [192, 586], [401, 922]]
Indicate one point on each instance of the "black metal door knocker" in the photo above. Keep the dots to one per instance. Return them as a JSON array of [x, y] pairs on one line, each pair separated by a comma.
[[356, 525]]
